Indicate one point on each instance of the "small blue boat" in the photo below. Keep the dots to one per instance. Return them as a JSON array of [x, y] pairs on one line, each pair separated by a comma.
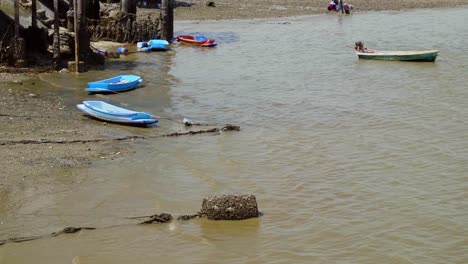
[[111, 113], [115, 84], [158, 44]]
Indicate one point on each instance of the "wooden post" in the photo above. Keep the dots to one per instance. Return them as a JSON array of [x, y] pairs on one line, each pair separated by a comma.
[[19, 46], [165, 28], [167, 20], [75, 22], [83, 39], [34, 13], [170, 17], [128, 7], [56, 49], [17, 26]]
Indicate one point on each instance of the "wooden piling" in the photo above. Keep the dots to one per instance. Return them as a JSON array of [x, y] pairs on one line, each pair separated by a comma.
[[17, 25], [167, 20], [56, 49], [75, 22], [83, 39], [34, 13], [163, 11], [170, 17]]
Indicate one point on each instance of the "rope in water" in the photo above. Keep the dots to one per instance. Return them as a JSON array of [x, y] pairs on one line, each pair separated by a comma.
[[151, 219]]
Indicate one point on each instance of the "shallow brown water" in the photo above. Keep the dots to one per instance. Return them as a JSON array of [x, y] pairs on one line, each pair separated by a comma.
[[351, 161]]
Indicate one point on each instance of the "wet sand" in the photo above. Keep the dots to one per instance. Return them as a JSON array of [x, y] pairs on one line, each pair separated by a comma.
[[245, 9], [30, 115]]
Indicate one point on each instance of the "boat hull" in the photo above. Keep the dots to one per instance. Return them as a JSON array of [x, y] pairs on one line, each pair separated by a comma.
[[200, 41], [105, 108], [138, 118], [116, 84], [428, 56], [158, 45]]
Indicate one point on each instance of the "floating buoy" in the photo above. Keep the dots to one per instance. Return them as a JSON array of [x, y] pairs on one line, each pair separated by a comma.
[[123, 51]]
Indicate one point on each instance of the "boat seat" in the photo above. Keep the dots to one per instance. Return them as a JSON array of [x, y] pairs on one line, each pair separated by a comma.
[[200, 38]]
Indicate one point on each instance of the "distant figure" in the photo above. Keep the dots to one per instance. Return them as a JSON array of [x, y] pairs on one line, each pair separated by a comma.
[[340, 6], [359, 47], [332, 6], [347, 8]]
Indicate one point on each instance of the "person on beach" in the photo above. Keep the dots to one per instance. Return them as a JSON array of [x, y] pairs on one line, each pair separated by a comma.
[[347, 8], [340, 6], [332, 6]]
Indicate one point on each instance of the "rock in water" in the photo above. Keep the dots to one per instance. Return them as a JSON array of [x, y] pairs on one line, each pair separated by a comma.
[[229, 207]]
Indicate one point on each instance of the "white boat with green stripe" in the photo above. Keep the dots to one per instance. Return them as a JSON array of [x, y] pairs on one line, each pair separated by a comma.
[[422, 55]]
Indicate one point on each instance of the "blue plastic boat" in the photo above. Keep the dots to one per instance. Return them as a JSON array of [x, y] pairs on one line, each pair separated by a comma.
[[158, 44], [115, 84], [111, 113]]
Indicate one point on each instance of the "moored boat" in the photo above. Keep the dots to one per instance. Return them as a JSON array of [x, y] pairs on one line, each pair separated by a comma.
[[422, 55], [111, 113], [118, 83], [158, 44], [201, 41]]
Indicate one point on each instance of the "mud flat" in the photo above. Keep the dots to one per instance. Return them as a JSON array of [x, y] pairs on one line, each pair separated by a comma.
[[29, 117], [246, 9]]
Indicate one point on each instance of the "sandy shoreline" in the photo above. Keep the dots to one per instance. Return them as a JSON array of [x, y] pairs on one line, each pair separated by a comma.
[[245, 9], [27, 115], [30, 116]]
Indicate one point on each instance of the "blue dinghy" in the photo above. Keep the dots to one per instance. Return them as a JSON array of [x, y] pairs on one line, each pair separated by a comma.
[[111, 113], [115, 84], [158, 44]]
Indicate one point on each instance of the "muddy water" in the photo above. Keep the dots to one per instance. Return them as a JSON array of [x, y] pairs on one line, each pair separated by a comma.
[[351, 161]]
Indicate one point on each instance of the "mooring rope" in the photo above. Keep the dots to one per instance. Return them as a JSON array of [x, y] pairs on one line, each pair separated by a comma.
[[152, 219], [227, 127]]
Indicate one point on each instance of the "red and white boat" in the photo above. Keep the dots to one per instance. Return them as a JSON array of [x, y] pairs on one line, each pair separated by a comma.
[[201, 41]]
